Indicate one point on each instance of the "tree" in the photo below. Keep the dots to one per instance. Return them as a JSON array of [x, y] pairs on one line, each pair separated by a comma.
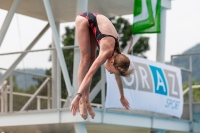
[[139, 49], [67, 40], [124, 29]]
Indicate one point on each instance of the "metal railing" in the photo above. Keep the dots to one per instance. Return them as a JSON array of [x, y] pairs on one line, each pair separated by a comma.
[[13, 100], [20, 101], [6, 94], [190, 87], [4, 91]]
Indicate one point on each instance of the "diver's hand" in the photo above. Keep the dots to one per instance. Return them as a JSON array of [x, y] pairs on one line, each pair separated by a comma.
[[75, 105], [124, 102]]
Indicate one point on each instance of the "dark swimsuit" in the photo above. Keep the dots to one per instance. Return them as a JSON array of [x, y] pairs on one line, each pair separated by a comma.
[[91, 17]]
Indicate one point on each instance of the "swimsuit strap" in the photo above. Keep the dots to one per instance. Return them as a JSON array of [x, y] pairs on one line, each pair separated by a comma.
[[116, 41], [105, 35]]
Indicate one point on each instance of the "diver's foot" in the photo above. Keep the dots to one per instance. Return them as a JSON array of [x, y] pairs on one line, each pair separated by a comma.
[[90, 110], [83, 109]]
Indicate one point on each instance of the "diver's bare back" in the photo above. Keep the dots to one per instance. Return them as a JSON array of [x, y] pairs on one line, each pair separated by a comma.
[[105, 25]]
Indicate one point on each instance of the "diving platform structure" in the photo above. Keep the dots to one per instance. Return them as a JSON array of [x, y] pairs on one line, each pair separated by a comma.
[[56, 116]]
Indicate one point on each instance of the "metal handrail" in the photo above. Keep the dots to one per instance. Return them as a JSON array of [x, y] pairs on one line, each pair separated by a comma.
[[45, 98], [189, 71], [193, 87], [189, 54], [38, 50], [33, 74]]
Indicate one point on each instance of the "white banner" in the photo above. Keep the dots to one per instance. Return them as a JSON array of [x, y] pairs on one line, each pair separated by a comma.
[[152, 87]]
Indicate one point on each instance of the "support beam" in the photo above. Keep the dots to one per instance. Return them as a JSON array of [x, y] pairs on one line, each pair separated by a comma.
[[96, 90], [56, 75], [8, 19], [48, 95], [190, 100], [12, 67], [58, 47], [11, 93], [82, 5], [3, 98], [103, 89], [160, 55], [128, 47]]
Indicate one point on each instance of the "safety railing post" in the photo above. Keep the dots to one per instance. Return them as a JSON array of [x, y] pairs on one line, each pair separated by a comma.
[[49, 95], [11, 93], [38, 103]]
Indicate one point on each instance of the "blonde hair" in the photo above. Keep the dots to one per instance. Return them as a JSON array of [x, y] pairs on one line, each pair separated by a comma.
[[122, 63]]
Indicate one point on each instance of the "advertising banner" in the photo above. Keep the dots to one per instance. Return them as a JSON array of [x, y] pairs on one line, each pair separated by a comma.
[[153, 86]]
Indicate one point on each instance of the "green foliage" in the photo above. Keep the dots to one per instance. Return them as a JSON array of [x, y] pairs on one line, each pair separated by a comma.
[[68, 40], [141, 47], [124, 29], [196, 92], [68, 37], [19, 101]]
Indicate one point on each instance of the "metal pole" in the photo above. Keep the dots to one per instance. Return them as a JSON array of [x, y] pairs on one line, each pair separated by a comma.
[[103, 90], [190, 60], [96, 90], [38, 103], [56, 75], [82, 5], [2, 90], [160, 57], [10, 70], [48, 95], [190, 94], [135, 40], [11, 93], [6, 99], [58, 48], [58, 87], [8, 19], [172, 62]]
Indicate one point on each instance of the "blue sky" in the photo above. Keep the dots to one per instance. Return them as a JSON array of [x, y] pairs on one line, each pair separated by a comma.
[[182, 33]]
